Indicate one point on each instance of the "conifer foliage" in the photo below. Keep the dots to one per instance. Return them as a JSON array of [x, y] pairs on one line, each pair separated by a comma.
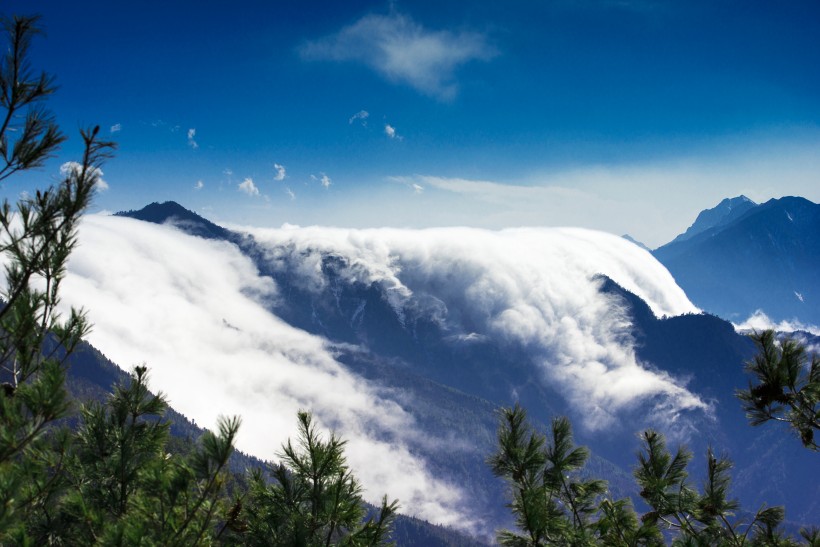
[[555, 504], [36, 238], [314, 500], [787, 387], [696, 518], [112, 480], [552, 502]]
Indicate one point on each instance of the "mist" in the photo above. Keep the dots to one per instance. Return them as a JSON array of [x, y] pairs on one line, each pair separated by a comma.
[[198, 313]]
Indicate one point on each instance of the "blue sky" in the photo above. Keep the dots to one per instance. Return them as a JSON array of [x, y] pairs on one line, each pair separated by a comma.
[[625, 116]]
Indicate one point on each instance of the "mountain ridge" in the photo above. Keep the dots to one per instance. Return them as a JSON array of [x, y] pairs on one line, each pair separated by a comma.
[[767, 258], [723, 213], [418, 355]]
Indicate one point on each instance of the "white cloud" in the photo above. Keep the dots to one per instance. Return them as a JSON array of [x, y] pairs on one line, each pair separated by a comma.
[[361, 115], [390, 131], [73, 168], [215, 349], [248, 187], [290, 194], [417, 188], [191, 142], [280, 172], [759, 321], [403, 51], [653, 201], [199, 185], [323, 179], [116, 128], [534, 288]]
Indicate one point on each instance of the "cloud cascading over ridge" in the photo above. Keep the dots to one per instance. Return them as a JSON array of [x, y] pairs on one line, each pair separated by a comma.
[[194, 311], [198, 313], [403, 51], [534, 288]]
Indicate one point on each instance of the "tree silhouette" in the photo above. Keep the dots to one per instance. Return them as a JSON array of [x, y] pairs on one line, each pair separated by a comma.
[[787, 387]]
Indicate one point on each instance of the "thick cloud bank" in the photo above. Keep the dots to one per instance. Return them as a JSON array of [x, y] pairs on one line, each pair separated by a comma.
[[535, 288], [194, 311], [197, 312]]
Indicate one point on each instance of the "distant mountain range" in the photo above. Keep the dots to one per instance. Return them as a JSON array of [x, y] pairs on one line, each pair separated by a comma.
[[431, 341], [741, 257]]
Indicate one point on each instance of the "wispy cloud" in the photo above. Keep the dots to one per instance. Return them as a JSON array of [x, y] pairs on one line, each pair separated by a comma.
[[73, 168], [247, 186], [116, 128], [280, 172], [199, 185], [417, 188], [403, 51], [390, 131], [290, 194], [322, 179], [361, 115], [191, 141]]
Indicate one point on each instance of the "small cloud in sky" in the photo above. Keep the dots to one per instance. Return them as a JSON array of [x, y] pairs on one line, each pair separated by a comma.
[[361, 115], [390, 131], [191, 142], [409, 182], [248, 187], [280, 172], [199, 185], [116, 128], [403, 51], [323, 179], [290, 194], [74, 168]]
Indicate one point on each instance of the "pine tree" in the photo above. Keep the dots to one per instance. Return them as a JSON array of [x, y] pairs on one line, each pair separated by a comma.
[[36, 238], [706, 518], [314, 499], [787, 388], [120, 486], [552, 502]]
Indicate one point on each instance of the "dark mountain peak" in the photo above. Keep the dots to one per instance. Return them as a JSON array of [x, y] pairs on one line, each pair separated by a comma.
[[635, 241], [796, 204], [171, 212], [768, 259], [722, 214]]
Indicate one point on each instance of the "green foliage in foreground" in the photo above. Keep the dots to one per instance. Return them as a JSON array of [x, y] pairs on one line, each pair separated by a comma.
[[111, 481], [314, 500], [555, 504], [787, 387]]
